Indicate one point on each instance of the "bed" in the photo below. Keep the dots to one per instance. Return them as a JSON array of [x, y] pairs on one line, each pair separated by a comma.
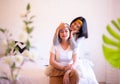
[[34, 73], [30, 73]]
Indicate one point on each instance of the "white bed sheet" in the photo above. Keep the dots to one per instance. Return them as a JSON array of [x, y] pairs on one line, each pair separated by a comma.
[[34, 73], [31, 73]]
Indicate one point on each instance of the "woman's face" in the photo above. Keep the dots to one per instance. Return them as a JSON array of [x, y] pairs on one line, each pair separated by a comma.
[[64, 33], [75, 26]]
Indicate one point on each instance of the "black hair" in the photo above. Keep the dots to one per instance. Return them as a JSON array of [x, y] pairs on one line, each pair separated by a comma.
[[83, 32]]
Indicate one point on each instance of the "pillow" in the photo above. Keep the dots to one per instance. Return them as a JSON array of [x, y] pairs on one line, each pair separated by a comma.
[[19, 46]]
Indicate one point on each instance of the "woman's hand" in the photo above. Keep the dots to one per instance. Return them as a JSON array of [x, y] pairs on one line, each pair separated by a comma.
[[72, 33], [58, 28], [68, 67], [66, 78]]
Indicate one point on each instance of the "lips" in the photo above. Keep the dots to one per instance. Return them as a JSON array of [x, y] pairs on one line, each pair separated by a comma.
[[64, 36]]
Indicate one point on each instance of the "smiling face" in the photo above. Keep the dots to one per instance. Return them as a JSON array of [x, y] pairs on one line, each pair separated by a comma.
[[76, 25], [64, 32]]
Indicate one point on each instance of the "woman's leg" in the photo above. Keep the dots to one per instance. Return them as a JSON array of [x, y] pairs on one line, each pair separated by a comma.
[[56, 76], [56, 80], [74, 77]]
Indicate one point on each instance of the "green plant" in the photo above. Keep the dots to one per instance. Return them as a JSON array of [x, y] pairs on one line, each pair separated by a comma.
[[111, 46], [28, 20], [15, 62], [8, 43]]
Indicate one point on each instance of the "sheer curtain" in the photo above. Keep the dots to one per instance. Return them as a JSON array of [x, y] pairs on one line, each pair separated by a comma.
[[112, 75]]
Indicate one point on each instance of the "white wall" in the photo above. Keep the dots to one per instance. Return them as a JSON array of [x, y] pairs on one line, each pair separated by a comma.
[[49, 13]]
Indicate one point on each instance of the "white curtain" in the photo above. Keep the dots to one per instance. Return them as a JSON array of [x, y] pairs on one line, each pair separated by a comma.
[[112, 75]]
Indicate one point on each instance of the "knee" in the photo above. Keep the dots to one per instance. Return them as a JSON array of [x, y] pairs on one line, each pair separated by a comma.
[[74, 77], [74, 73]]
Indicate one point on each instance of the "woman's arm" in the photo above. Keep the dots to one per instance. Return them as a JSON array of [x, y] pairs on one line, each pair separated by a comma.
[[54, 63], [74, 57], [73, 42]]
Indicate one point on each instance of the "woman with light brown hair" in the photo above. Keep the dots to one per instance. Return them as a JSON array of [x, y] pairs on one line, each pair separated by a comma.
[[62, 68]]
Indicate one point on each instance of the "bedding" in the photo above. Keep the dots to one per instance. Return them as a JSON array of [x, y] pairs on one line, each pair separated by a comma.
[[34, 73], [30, 73]]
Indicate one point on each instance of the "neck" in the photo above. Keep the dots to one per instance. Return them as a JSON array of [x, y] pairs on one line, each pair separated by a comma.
[[65, 44]]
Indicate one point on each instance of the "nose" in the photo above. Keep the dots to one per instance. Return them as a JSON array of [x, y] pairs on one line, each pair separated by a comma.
[[75, 26], [64, 33]]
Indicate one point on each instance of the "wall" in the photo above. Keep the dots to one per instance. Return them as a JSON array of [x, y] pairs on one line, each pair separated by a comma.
[[49, 13]]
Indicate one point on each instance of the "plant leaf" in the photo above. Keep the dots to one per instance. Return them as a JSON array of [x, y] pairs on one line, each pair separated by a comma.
[[29, 29], [116, 24], [6, 78], [32, 17], [28, 7], [2, 30], [112, 32], [110, 41], [112, 54], [118, 21], [28, 45]]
